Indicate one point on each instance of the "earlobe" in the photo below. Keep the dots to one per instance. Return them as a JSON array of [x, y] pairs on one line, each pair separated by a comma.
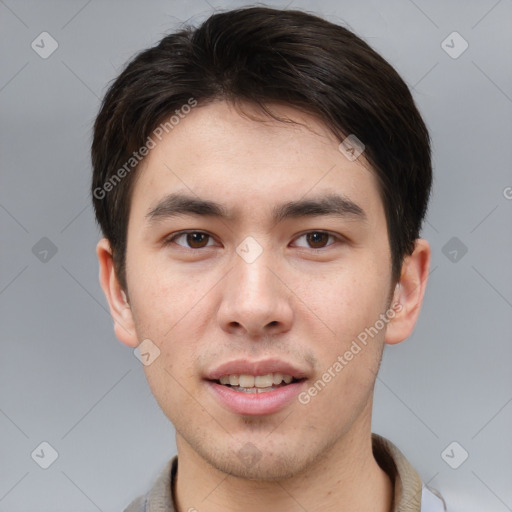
[[116, 297], [409, 293]]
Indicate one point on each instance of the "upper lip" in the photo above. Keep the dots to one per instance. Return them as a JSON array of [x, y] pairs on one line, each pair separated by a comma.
[[262, 367]]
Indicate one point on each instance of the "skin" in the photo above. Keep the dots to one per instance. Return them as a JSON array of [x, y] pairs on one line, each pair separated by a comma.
[[301, 301]]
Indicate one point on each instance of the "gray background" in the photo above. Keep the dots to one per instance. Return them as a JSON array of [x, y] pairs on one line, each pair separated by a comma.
[[64, 377]]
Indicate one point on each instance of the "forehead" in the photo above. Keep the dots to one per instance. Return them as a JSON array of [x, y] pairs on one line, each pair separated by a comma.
[[252, 162]]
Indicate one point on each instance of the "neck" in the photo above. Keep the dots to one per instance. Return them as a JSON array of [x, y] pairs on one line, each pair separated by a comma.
[[344, 478]]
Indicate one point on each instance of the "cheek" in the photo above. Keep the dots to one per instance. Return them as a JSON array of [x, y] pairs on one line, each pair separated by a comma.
[[349, 304], [348, 361], [348, 299], [161, 293], [169, 314], [171, 320]]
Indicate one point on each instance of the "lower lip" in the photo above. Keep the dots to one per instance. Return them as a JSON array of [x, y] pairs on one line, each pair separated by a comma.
[[255, 404]]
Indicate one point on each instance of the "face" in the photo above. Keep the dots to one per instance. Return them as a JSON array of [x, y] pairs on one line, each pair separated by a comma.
[[281, 276]]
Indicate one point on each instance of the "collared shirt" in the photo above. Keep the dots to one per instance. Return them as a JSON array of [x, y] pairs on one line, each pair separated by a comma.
[[410, 495]]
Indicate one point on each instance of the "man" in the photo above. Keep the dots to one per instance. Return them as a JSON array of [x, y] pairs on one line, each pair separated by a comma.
[[260, 182]]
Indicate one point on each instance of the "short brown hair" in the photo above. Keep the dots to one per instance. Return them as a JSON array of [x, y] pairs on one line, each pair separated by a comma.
[[263, 55]]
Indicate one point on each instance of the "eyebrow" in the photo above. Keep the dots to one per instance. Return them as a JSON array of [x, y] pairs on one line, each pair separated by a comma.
[[177, 204]]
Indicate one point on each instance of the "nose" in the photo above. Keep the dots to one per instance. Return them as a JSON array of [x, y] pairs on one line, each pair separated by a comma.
[[255, 300]]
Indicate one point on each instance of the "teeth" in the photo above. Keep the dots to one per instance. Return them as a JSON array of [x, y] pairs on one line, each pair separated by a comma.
[[263, 381], [260, 381], [254, 390], [246, 381]]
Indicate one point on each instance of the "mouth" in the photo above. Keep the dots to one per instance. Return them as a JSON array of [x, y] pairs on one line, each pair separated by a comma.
[[255, 395], [253, 388], [256, 384]]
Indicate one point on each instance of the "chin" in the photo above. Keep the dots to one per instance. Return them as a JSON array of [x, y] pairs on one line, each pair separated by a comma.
[[266, 469], [262, 464]]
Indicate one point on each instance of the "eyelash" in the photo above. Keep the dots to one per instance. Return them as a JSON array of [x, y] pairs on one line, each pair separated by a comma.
[[172, 239]]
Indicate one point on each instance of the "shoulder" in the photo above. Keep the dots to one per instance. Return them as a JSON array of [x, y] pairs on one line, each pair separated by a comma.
[[409, 492], [137, 505], [431, 500], [160, 497]]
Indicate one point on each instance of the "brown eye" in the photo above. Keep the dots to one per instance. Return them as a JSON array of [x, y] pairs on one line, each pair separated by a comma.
[[191, 240], [317, 239], [197, 240]]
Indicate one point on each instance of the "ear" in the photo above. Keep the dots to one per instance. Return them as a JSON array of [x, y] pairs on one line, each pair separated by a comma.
[[120, 309], [409, 293]]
